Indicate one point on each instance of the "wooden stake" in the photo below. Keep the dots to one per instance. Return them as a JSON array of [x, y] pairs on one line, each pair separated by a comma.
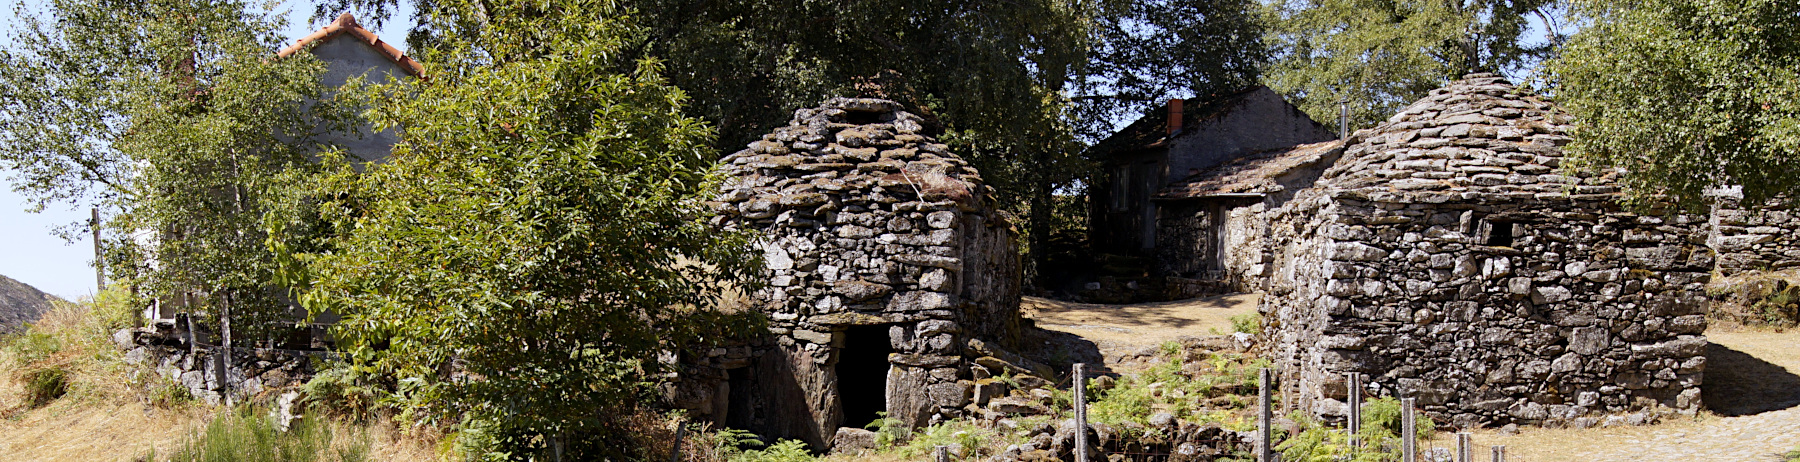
[[1465, 451], [1408, 433], [943, 454], [1354, 399], [680, 431], [1265, 416], [1499, 453], [1080, 389]]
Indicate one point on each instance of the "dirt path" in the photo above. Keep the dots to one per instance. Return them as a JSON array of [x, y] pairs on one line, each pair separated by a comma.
[[1124, 328]]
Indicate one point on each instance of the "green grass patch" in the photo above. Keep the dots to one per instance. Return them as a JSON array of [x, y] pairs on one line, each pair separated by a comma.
[[249, 433]]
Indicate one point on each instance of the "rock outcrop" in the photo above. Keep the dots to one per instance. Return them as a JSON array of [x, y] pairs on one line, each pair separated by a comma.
[[20, 304]]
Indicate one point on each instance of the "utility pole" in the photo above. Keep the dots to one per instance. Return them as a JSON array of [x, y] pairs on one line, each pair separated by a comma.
[[99, 260]]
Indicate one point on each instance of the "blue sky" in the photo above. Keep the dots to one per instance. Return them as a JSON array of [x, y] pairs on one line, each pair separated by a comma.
[[32, 253]]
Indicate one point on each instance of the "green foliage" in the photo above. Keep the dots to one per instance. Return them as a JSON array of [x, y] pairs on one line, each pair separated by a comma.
[[172, 114], [783, 451], [925, 441], [1247, 323], [1145, 52], [1687, 95], [1381, 55], [1378, 442], [537, 237], [45, 384], [1791, 456], [33, 345], [888, 431], [339, 391], [249, 433], [1209, 387]]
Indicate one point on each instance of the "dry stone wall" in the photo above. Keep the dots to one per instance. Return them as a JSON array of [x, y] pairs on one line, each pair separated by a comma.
[[868, 228], [1448, 258], [1751, 238]]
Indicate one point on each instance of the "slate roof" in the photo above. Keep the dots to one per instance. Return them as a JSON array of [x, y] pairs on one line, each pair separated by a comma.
[[1152, 130], [346, 24], [1479, 138], [1253, 174]]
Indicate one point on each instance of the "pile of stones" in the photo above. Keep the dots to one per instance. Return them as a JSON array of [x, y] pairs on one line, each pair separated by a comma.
[[1450, 256]]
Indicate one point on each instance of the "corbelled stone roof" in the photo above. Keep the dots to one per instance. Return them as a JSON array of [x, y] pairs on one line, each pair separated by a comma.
[[1478, 139], [860, 147], [1253, 174]]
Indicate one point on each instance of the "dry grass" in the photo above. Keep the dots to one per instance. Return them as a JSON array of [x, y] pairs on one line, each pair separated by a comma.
[[104, 417]]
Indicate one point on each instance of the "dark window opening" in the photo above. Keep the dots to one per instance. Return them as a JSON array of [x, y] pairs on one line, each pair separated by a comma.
[[862, 371], [1500, 234], [862, 117]]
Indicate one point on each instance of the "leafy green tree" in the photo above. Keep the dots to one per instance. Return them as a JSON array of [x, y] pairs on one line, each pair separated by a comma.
[[173, 114], [991, 74], [1380, 55], [1687, 95], [538, 235], [1145, 52]]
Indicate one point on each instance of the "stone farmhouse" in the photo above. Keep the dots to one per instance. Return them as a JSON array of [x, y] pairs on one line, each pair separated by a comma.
[[1168, 147]]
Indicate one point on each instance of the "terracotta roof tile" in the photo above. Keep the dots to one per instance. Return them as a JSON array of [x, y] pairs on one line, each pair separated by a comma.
[[346, 24]]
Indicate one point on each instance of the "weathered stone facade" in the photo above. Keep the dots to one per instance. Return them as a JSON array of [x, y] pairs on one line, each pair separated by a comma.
[[1447, 257], [888, 271], [1753, 238], [1213, 226]]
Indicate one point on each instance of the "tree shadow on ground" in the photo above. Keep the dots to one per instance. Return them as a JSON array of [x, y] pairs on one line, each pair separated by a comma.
[[1060, 350], [1737, 383]]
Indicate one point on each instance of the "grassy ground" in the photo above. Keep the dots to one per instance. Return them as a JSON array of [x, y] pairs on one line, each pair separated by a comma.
[[105, 414]]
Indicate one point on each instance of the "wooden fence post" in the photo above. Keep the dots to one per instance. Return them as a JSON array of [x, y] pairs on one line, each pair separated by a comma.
[[680, 431], [1408, 433], [943, 454], [1265, 451], [1353, 383], [1499, 453], [1465, 451], [1080, 388]]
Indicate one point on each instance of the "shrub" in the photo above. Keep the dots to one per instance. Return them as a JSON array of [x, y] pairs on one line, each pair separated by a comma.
[[1380, 436], [1246, 323], [248, 433], [45, 384]]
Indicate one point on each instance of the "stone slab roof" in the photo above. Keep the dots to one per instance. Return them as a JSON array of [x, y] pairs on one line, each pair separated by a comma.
[[1253, 174], [1479, 138], [1151, 130]]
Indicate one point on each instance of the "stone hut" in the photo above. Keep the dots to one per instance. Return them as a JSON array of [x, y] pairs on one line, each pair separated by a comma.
[[1212, 228], [1448, 256], [888, 269]]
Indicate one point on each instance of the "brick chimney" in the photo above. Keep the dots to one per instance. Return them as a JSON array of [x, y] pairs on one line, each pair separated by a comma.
[[1174, 115]]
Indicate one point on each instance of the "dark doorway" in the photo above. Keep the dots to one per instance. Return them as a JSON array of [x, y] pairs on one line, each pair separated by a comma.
[[862, 370], [739, 410]]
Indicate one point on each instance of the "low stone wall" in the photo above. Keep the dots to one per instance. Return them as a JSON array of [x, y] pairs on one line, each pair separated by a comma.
[[251, 371], [1751, 238]]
